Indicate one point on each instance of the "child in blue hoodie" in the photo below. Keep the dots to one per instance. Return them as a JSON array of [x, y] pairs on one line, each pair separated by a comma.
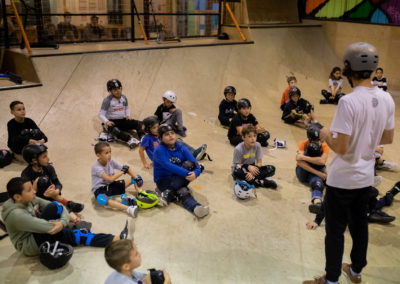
[[174, 168]]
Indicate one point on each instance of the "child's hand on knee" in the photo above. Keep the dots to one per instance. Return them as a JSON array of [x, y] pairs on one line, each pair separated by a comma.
[[249, 176], [253, 170]]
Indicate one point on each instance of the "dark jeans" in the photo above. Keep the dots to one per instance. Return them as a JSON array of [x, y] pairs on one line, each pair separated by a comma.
[[310, 178], [265, 171], [344, 208], [174, 183], [66, 235]]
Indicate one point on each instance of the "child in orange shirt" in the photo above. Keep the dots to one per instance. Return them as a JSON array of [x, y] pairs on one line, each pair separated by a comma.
[[292, 83]]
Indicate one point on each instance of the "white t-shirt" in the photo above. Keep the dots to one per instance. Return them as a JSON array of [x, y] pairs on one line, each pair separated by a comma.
[[363, 114]]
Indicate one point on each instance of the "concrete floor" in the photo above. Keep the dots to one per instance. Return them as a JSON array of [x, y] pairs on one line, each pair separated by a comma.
[[260, 240]]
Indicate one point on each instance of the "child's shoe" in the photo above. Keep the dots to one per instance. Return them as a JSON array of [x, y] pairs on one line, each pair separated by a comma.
[[133, 142], [269, 183], [181, 132], [314, 207], [75, 207], [201, 211], [387, 166], [353, 278], [324, 102], [378, 216], [199, 152], [316, 280], [102, 137], [132, 210], [110, 138]]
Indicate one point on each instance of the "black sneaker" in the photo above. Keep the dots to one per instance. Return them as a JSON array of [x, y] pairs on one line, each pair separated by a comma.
[[75, 207], [314, 207], [378, 216], [388, 198], [270, 183], [124, 232], [324, 102]]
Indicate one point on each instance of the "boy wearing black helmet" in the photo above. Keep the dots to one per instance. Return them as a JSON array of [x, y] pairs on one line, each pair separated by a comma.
[[298, 108], [242, 119], [151, 140], [116, 115], [170, 173], [364, 119], [44, 178], [228, 106], [311, 159]]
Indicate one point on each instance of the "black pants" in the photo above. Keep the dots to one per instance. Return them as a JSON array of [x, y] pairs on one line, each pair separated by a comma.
[[126, 125], [343, 208], [327, 95], [265, 171], [66, 235], [224, 120]]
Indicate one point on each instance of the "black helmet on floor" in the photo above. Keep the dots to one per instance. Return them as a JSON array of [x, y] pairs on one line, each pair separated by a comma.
[[230, 89], [163, 129], [113, 84], [5, 158], [149, 122], [243, 103], [32, 151], [189, 165], [55, 255], [294, 91]]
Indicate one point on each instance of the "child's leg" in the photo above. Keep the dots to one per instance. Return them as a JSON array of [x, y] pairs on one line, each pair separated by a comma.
[[176, 118], [128, 124], [116, 205], [317, 187], [239, 173], [302, 174], [325, 94], [266, 171], [224, 121], [190, 148]]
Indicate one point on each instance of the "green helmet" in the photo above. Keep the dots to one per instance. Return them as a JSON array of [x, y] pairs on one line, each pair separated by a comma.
[[147, 199]]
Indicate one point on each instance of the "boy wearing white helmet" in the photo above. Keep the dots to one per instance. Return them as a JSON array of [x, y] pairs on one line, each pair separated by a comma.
[[167, 113], [363, 120]]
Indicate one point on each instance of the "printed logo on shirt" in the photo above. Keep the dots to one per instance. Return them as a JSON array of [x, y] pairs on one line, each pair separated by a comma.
[[117, 109], [175, 160], [374, 102], [155, 144], [249, 155], [245, 124]]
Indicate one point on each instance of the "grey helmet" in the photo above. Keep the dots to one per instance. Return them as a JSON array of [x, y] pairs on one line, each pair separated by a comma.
[[361, 56]]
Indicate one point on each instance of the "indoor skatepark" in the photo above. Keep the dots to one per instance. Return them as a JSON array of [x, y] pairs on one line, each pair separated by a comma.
[[261, 240]]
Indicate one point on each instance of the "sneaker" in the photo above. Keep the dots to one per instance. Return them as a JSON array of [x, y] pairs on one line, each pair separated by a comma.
[[201, 167], [125, 232], [387, 166], [132, 210], [181, 133], [102, 137], [75, 207], [270, 183], [377, 180], [353, 278], [110, 138], [378, 216], [133, 142], [200, 152], [388, 198], [201, 211], [314, 207], [324, 102], [316, 280]]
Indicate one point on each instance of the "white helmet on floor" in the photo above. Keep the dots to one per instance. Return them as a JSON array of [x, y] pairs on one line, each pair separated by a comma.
[[170, 95], [243, 190]]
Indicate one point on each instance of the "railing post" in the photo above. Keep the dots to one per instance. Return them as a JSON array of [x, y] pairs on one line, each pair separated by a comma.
[[132, 22]]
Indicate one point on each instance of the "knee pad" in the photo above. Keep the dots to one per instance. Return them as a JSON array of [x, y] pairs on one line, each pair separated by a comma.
[[102, 199], [59, 209], [128, 201], [189, 165], [317, 185], [36, 134], [83, 236], [168, 195], [182, 193], [138, 180], [270, 170]]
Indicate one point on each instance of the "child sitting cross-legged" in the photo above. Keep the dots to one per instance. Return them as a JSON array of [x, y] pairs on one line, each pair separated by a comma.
[[174, 168], [247, 161], [31, 221], [105, 181]]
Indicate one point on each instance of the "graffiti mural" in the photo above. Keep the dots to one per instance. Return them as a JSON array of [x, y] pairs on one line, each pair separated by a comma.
[[364, 11]]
